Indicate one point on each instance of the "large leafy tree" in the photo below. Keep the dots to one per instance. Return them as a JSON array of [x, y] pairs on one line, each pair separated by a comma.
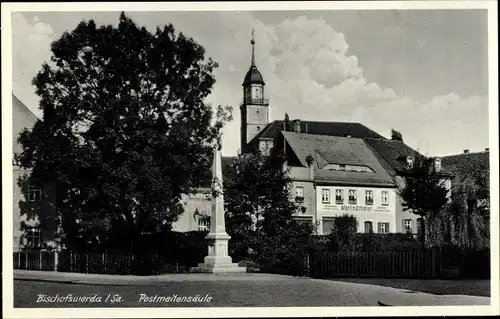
[[424, 192], [126, 129], [260, 211], [466, 214]]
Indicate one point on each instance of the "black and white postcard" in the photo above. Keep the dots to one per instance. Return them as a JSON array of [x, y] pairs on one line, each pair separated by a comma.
[[226, 159]]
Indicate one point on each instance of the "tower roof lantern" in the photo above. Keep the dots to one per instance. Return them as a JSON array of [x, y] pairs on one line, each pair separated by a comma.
[[253, 75]]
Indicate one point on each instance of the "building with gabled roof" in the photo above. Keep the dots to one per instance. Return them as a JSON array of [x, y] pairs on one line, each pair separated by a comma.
[[339, 160], [335, 175]]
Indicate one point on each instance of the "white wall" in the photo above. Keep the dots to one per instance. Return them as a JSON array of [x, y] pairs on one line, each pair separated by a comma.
[[363, 212], [186, 221]]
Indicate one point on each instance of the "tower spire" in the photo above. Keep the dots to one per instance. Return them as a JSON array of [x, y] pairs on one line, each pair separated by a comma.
[[253, 47]]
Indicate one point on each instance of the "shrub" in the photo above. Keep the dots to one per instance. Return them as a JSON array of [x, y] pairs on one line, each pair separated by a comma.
[[343, 232], [285, 252], [366, 243]]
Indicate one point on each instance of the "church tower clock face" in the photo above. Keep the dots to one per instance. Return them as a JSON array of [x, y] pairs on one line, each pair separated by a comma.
[[254, 108]]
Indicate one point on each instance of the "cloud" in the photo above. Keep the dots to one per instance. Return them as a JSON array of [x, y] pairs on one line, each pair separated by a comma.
[[309, 72], [313, 76], [31, 48]]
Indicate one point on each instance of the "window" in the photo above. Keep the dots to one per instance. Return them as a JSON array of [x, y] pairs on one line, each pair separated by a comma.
[[409, 161], [339, 196], [385, 198], [369, 198], [383, 228], [299, 191], [437, 164], [34, 193], [325, 195], [203, 223], [353, 198], [407, 223], [368, 227], [33, 237], [299, 194]]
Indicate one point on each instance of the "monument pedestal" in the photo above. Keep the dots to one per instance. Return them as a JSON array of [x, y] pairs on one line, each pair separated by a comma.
[[218, 260]]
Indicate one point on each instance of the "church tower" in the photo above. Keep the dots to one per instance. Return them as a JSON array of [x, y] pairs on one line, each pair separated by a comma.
[[254, 109]]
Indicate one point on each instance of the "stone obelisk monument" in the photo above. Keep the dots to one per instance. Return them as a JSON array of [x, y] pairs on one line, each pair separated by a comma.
[[218, 259]]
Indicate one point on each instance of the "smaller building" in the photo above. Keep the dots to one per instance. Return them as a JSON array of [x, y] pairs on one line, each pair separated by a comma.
[[198, 205], [467, 163]]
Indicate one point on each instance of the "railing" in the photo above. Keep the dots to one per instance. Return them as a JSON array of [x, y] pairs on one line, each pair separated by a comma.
[[255, 101], [411, 264]]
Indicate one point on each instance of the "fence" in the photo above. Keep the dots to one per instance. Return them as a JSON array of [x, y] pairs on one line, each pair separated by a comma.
[[35, 260], [318, 264], [414, 264], [105, 262]]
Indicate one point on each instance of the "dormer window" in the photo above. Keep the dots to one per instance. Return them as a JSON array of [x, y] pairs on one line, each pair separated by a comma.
[[437, 164], [409, 161]]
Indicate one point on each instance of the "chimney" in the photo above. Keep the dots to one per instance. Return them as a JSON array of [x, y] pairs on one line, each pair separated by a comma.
[[487, 149], [466, 151], [296, 126]]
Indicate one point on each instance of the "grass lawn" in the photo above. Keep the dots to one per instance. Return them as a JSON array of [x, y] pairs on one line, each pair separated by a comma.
[[433, 286]]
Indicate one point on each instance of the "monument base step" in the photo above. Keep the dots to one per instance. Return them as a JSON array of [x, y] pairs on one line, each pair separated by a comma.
[[221, 268]]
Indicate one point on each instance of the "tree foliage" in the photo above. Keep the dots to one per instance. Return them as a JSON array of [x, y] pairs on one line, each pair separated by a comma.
[[126, 129], [259, 210], [466, 217], [343, 232], [424, 192]]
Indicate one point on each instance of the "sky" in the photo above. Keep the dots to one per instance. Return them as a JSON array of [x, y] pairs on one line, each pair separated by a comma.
[[421, 72]]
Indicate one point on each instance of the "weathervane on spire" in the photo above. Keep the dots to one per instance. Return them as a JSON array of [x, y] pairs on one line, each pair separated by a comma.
[[253, 43]]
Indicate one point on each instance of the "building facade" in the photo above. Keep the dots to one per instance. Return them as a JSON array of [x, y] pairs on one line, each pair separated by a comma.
[[373, 207], [34, 213]]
